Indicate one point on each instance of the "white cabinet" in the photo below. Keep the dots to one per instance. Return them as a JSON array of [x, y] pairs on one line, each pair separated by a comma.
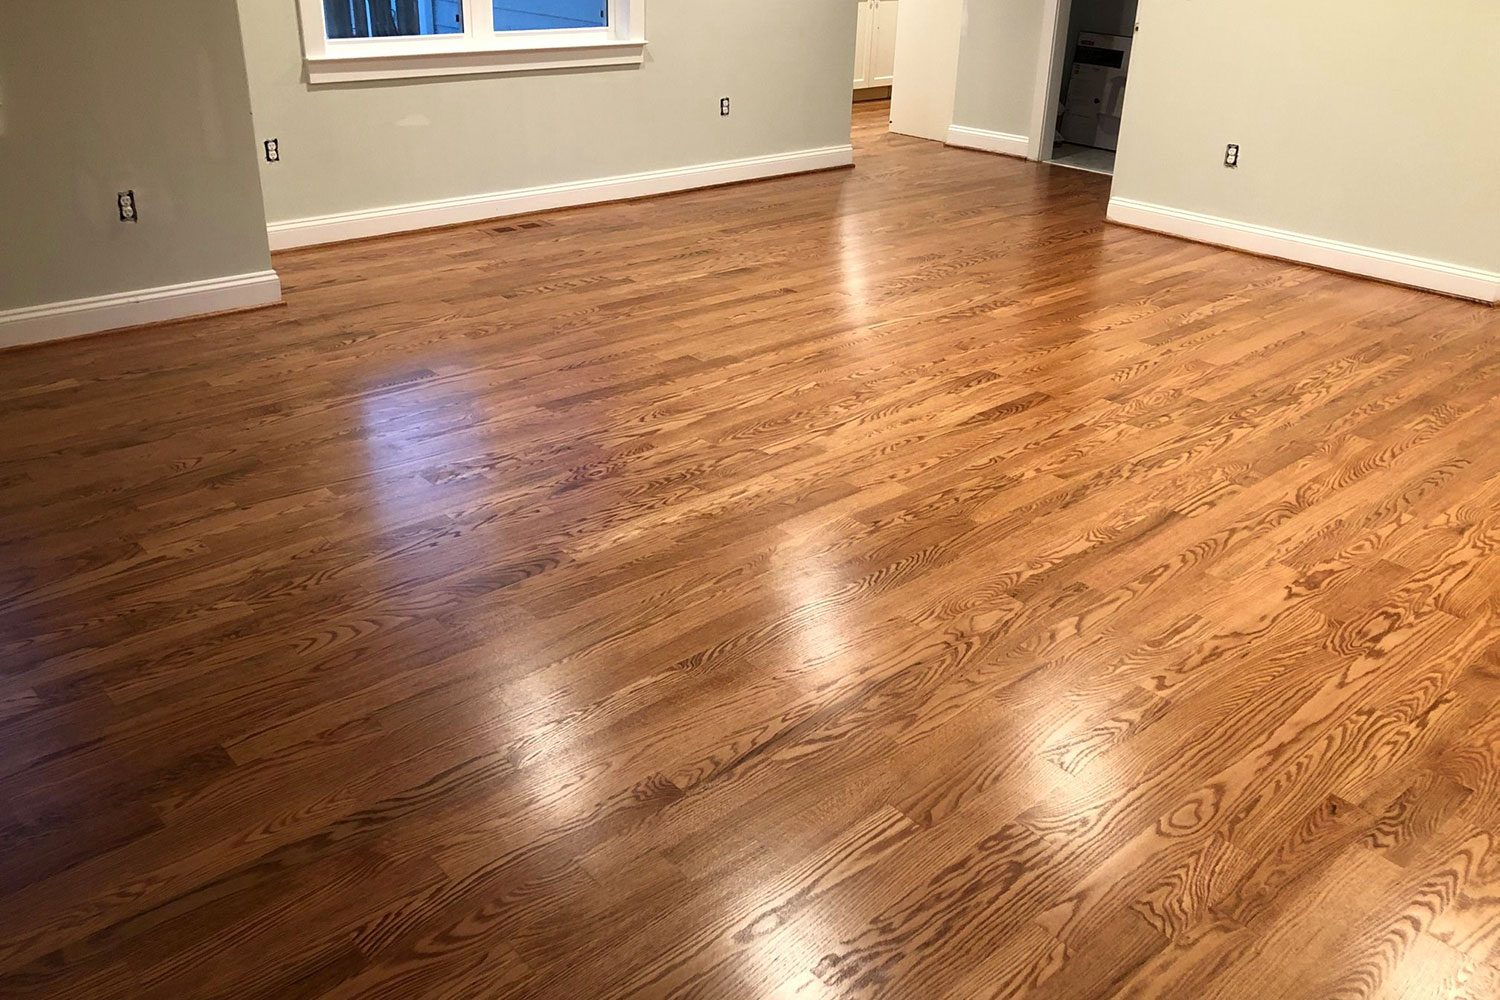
[[883, 45], [875, 43], [863, 27]]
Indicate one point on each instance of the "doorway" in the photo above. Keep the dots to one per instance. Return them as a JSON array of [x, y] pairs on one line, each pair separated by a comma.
[[1084, 68], [875, 49]]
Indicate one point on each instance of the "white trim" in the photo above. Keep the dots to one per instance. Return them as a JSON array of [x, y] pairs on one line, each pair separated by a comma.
[[449, 211], [57, 320], [1400, 269], [411, 65], [478, 49], [990, 142]]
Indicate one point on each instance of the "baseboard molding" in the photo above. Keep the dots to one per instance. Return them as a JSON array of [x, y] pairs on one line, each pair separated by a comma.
[[450, 211], [57, 320], [1348, 258], [990, 142]]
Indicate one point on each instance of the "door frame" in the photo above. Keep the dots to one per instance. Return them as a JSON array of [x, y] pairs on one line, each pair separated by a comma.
[[1056, 14]]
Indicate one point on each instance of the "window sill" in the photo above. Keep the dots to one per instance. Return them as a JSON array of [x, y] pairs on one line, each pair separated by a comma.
[[565, 54]]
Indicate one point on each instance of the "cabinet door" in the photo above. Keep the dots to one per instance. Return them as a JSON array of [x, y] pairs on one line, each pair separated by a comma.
[[883, 44], [863, 39]]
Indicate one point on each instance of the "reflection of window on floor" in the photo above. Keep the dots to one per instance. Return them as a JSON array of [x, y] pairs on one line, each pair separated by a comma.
[[385, 18], [531, 15]]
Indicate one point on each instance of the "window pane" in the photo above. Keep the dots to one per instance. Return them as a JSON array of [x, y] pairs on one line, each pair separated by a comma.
[[531, 15], [387, 18]]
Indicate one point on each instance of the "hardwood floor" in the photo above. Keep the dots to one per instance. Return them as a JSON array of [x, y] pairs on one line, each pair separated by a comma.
[[880, 583]]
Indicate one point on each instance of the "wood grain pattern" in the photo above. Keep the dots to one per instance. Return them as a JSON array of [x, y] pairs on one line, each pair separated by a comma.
[[883, 583]]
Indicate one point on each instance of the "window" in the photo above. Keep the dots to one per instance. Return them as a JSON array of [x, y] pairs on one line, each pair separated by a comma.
[[534, 15], [349, 40], [363, 19]]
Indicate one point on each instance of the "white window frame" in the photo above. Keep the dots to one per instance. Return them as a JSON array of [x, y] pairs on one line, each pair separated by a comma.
[[479, 50]]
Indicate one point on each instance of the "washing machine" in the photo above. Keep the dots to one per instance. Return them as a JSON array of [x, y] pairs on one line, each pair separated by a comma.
[[1096, 91]]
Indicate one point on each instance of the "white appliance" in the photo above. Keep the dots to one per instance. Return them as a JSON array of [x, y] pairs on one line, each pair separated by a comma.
[[1096, 91]]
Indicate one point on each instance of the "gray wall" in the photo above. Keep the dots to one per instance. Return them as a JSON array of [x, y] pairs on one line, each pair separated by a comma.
[[1364, 121], [997, 65], [1000, 50], [785, 64], [95, 99]]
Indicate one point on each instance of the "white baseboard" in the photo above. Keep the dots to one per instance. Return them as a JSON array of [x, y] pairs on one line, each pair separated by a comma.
[[56, 320], [449, 211], [990, 142], [1349, 258]]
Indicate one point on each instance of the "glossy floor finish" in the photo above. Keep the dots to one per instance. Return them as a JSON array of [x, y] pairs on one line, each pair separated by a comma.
[[880, 583]]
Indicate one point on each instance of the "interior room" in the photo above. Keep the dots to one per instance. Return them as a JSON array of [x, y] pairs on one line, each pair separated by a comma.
[[1090, 80], [556, 499]]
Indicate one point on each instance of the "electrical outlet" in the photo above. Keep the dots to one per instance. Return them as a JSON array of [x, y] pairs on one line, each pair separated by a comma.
[[723, 107], [273, 151], [125, 200], [1232, 155]]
